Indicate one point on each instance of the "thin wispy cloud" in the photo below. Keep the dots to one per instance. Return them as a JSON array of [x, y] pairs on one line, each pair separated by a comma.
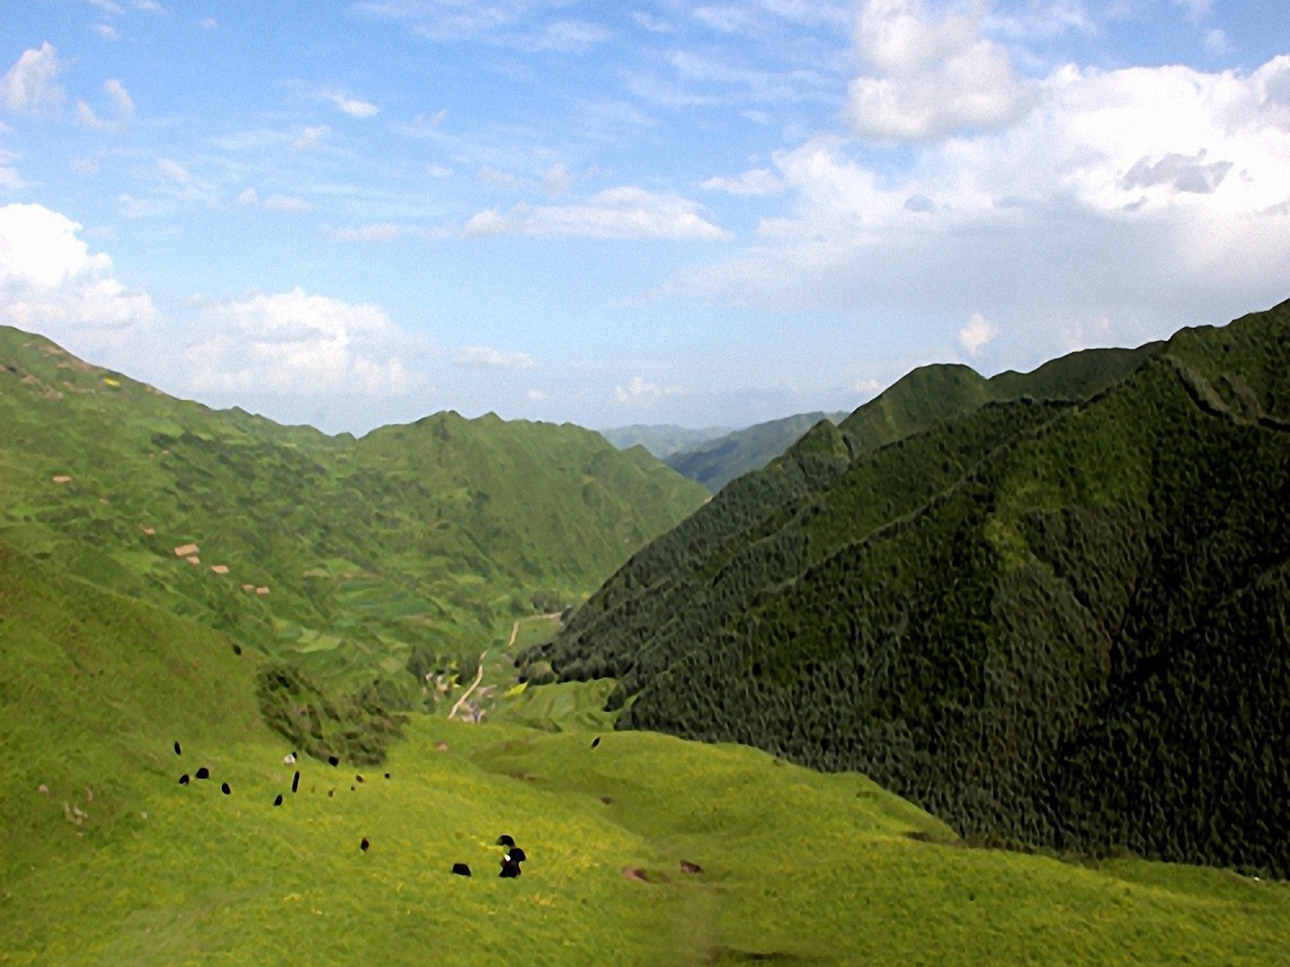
[[616, 213]]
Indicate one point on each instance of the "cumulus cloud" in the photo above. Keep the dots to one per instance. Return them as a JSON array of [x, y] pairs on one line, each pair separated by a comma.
[[31, 84], [1153, 196], [352, 106], [977, 334], [106, 31], [248, 199], [482, 357], [641, 392], [927, 77], [296, 344], [120, 99], [638, 391], [51, 283], [616, 213], [310, 137], [757, 182]]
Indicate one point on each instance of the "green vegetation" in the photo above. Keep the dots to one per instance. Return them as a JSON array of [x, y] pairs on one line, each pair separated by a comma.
[[1048, 608], [796, 866], [714, 463], [356, 562]]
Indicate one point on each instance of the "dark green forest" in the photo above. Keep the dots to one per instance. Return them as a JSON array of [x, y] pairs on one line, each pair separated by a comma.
[[1050, 608]]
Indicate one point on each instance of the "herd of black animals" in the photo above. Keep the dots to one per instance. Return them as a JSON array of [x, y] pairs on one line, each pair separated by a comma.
[[511, 858], [1104, 666]]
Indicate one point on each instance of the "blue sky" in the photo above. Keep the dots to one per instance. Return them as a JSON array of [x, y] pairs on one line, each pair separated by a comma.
[[714, 213]]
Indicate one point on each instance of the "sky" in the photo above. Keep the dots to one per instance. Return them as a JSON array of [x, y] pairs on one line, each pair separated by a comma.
[[356, 213]]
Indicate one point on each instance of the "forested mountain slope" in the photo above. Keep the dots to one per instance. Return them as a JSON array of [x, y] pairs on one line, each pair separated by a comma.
[[341, 555], [1049, 620]]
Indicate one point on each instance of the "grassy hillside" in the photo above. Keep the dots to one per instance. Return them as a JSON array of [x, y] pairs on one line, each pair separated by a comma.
[[795, 865], [714, 463], [353, 559], [662, 440], [1058, 622]]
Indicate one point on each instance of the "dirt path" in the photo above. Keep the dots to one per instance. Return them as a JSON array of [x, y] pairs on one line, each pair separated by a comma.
[[479, 676]]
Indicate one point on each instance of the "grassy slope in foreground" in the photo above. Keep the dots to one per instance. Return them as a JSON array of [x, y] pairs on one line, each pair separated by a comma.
[[435, 535], [797, 866]]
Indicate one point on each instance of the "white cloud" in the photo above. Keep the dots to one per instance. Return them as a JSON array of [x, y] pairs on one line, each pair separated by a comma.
[[107, 6], [31, 85], [84, 166], [352, 106], [149, 5], [1152, 196], [757, 182], [173, 171], [286, 203], [120, 99], [309, 137], [638, 392], [536, 395], [928, 77], [51, 283], [482, 357], [563, 36], [1216, 43], [106, 31], [367, 233], [248, 199], [616, 213], [503, 23], [296, 344], [977, 334], [208, 23], [9, 177], [438, 171]]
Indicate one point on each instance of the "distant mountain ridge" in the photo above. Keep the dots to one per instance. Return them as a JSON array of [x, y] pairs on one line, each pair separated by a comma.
[[353, 559], [714, 463], [1050, 607], [662, 440]]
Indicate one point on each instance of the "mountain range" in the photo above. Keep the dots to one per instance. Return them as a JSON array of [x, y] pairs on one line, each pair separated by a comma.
[[1050, 607]]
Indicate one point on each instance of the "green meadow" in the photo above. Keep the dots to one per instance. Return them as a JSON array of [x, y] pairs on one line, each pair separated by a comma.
[[117, 863]]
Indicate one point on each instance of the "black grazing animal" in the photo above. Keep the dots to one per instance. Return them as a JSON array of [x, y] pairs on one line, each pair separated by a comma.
[[277, 800], [203, 773], [177, 752], [505, 840], [461, 869], [295, 781], [511, 861], [224, 788], [595, 742], [364, 844], [333, 760], [183, 780]]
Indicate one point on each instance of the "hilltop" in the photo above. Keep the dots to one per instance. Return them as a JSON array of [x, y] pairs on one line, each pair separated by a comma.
[[366, 563], [1050, 612]]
